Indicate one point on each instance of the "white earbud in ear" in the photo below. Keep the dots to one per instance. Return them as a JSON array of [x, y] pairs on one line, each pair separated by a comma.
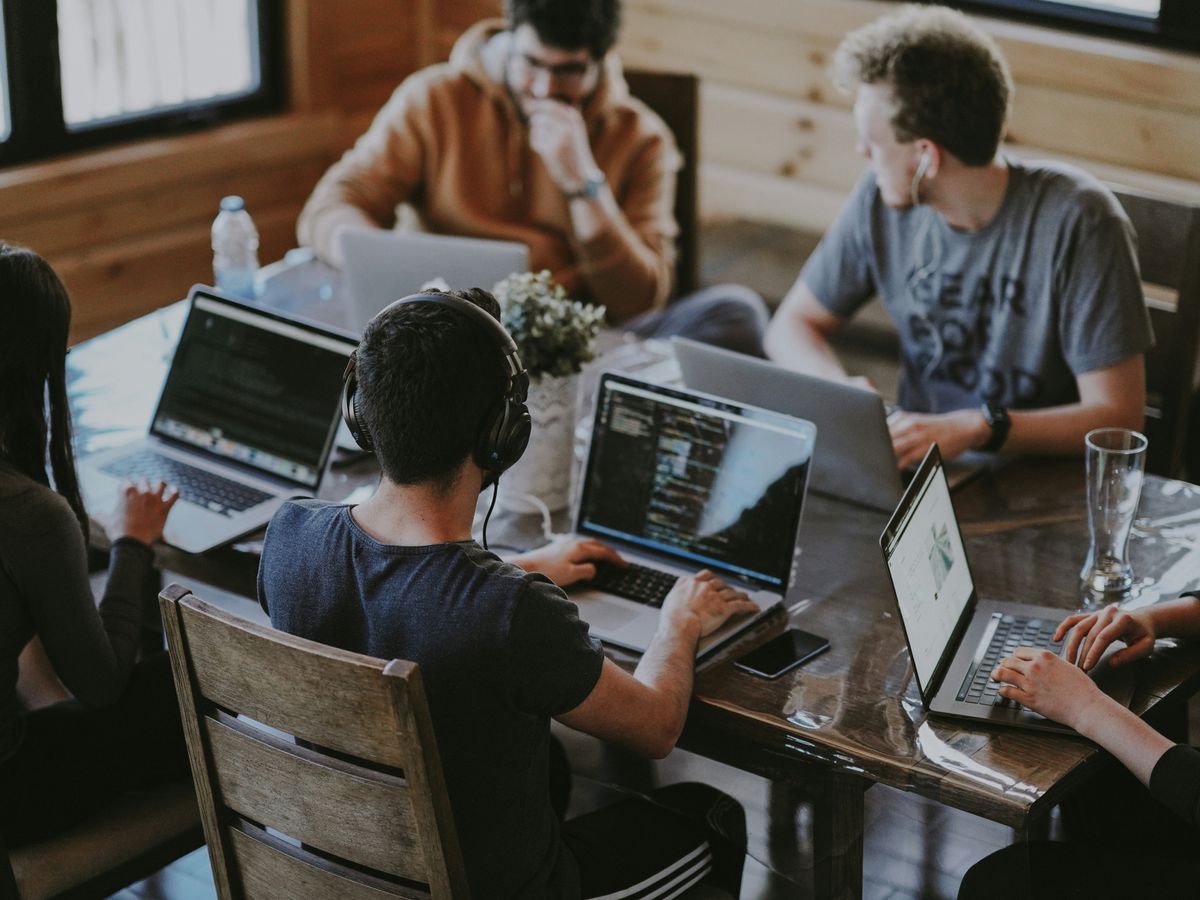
[[922, 168]]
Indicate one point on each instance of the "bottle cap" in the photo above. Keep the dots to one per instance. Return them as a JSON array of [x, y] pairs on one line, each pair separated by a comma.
[[232, 203]]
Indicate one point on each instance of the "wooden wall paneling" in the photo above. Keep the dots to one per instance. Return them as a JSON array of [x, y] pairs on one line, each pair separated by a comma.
[[736, 192], [111, 284], [1102, 68], [152, 166], [773, 135], [308, 29], [774, 62], [1082, 63], [1123, 133], [132, 215]]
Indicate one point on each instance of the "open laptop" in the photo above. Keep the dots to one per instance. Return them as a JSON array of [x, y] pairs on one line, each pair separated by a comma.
[[381, 266], [857, 462], [245, 420], [954, 638], [679, 482]]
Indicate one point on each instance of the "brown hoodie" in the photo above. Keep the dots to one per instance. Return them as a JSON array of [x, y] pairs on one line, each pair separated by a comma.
[[451, 143]]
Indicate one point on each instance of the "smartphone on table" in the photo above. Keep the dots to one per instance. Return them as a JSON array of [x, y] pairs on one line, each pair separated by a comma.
[[782, 653]]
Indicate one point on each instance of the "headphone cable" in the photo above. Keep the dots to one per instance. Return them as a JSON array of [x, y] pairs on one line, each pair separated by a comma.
[[491, 506]]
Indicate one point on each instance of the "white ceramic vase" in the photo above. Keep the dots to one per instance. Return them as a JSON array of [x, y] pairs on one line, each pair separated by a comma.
[[544, 471]]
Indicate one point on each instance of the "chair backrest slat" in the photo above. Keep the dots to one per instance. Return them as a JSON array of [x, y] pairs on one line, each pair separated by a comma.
[[271, 869], [289, 686], [367, 817]]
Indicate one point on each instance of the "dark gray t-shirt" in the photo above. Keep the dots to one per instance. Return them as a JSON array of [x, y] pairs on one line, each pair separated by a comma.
[[500, 650], [1009, 314]]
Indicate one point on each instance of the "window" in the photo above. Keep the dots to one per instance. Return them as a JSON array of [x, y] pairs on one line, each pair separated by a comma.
[[79, 73], [1174, 23]]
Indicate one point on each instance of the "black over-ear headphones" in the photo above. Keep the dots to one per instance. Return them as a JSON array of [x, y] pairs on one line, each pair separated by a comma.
[[504, 432]]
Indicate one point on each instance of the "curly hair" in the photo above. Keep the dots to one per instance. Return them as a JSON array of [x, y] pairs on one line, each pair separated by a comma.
[[949, 81]]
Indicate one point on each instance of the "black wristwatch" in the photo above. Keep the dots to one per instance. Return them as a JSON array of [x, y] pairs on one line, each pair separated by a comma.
[[997, 419]]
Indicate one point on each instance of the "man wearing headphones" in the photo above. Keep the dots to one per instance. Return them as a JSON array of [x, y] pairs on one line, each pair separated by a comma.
[[1013, 285], [437, 389], [529, 134]]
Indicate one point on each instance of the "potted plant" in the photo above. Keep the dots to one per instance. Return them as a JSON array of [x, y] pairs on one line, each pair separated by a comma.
[[555, 336]]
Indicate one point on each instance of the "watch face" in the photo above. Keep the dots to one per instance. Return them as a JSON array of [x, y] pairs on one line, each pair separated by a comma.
[[593, 186]]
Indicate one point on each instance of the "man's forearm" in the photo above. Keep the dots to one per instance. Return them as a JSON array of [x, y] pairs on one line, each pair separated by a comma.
[[794, 344], [1060, 430], [668, 668], [620, 270]]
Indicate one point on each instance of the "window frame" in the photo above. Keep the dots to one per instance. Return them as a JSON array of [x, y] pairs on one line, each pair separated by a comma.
[[1177, 25], [37, 128]]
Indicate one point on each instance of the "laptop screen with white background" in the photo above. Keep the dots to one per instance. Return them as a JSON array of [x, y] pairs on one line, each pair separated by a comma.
[[253, 390], [708, 482], [928, 566]]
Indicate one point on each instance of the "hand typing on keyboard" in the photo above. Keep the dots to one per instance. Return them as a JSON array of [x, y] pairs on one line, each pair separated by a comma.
[[1044, 682], [569, 560], [142, 510], [707, 600], [1092, 633]]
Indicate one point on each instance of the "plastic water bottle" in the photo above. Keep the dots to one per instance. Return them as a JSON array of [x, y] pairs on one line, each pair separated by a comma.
[[235, 249]]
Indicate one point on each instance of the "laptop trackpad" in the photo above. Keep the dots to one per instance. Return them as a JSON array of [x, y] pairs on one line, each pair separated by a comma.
[[606, 617]]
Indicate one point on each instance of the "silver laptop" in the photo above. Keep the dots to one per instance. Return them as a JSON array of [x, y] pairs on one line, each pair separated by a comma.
[[381, 266], [679, 482], [954, 638], [245, 420], [856, 462]]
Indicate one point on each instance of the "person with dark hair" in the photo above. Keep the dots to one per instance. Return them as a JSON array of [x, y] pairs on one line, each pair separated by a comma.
[[529, 134], [61, 763], [501, 649], [1014, 285], [1154, 834]]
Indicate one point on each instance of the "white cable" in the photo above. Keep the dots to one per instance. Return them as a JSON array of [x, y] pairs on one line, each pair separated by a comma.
[[548, 531]]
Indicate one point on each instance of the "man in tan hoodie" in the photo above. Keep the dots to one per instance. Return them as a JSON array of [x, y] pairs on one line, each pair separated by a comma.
[[529, 134]]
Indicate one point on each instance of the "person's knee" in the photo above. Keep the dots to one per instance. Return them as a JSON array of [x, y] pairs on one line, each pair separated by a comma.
[[704, 803], [725, 315], [732, 301]]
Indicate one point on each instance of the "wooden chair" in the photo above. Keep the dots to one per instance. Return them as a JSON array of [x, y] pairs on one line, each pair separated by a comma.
[[675, 96], [126, 842], [354, 807], [1169, 255]]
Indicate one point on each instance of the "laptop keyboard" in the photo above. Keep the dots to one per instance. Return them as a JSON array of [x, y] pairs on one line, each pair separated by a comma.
[[640, 584], [1010, 633], [198, 486]]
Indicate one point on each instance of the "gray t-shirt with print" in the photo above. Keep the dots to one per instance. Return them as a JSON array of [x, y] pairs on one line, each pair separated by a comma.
[[1009, 314]]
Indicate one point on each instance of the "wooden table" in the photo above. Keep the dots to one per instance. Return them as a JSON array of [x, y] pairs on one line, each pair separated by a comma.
[[852, 717], [854, 714]]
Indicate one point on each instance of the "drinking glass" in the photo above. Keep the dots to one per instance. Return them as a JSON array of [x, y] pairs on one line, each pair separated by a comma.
[[1116, 462]]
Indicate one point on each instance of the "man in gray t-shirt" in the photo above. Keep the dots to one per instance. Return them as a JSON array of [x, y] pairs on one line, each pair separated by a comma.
[[1014, 286]]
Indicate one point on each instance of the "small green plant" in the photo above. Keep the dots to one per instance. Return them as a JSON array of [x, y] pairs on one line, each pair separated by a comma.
[[555, 335]]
